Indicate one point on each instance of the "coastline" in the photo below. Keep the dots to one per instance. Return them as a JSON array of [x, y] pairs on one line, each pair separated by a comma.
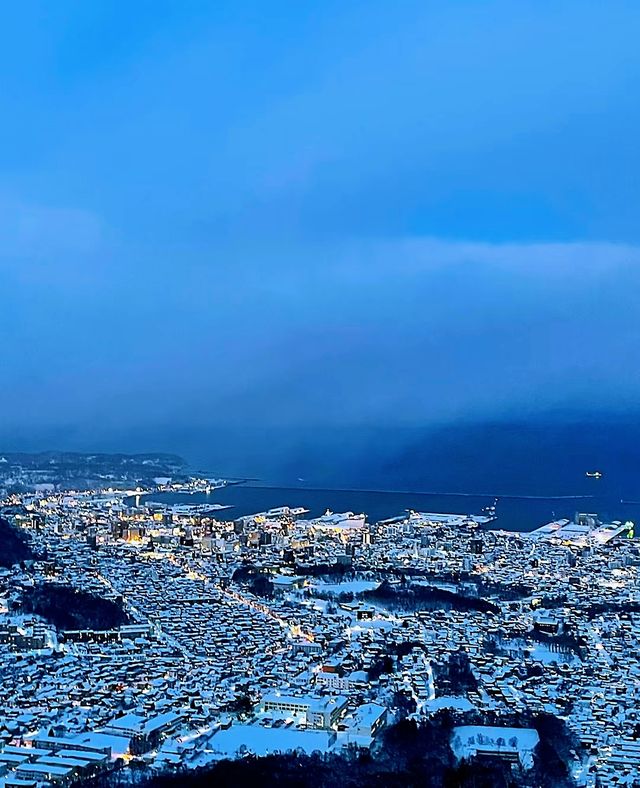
[[516, 513]]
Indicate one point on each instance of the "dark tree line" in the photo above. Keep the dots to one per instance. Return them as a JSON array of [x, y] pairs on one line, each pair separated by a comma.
[[455, 676], [254, 579], [14, 545], [70, 608], [343, 571], [417, 597]]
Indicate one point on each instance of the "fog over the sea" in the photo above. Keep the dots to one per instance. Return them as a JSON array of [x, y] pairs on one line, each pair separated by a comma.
[[248, 219]]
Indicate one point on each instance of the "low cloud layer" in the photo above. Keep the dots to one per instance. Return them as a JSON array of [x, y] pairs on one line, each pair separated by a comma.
[[357, 215], [403, 331]]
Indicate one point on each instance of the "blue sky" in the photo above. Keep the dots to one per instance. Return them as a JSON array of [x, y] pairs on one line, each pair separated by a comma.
[[316, 213]]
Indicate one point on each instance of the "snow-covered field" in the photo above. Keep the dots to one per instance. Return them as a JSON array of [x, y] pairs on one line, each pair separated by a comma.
[[256, 739], [467, 740]]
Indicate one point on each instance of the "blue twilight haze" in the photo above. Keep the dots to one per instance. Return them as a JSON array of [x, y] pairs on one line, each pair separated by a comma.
[[316, 214]]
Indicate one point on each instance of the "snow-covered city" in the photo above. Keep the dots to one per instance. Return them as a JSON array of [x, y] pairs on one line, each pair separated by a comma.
[[142, 637]]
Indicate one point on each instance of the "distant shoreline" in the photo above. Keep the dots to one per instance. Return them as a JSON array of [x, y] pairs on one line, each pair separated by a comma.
[[422, 492], [517, 513]]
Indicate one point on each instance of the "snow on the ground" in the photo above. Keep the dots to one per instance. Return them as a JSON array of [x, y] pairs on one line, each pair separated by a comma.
[[257, 739]]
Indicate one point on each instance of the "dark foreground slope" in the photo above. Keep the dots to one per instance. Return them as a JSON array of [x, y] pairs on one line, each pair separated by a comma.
[[14, 545], [409, 756]]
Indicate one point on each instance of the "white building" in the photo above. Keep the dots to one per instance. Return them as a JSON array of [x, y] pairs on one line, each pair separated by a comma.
[[314, 712]]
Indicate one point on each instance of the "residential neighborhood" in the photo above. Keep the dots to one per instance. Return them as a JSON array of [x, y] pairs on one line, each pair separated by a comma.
[[277, 632]]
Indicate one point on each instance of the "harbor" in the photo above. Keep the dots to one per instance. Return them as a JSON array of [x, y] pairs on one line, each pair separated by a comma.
[[511, 512]]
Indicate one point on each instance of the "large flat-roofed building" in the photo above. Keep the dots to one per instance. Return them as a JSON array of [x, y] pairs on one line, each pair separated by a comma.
[[127, 725], [11, 760], [142, 732], [369, 719], [584, 530], [82, 742], [41, 772], [332, 681], [12, 781], [315, 712]]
